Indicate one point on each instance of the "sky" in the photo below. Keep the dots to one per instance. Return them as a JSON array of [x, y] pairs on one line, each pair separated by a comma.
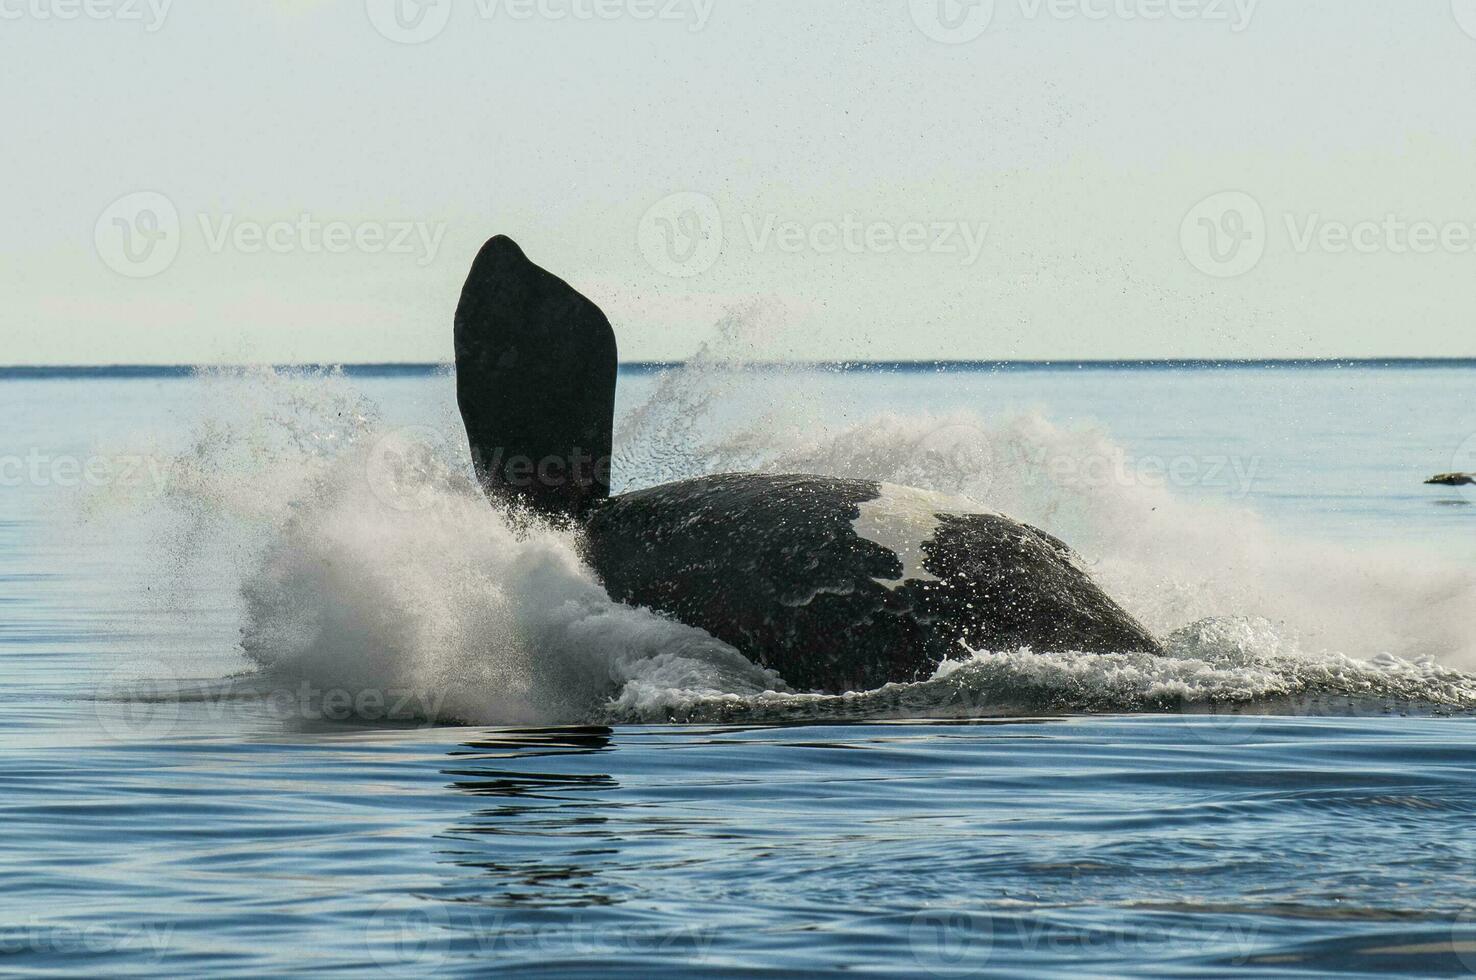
[[231, 181]]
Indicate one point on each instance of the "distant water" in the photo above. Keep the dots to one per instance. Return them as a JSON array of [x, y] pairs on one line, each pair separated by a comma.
[[282, 693]]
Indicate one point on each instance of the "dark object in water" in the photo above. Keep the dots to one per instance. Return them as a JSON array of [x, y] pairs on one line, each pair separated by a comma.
[[835, 584], [1452, 480], [848, 584], [544, 362]]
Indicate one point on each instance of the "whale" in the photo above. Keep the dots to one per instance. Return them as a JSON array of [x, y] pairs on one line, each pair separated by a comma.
[[1452, 480], [833, 584]]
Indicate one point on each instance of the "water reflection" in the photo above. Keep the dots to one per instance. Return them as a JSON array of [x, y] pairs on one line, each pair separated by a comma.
[[523, 847], [559, 820], [481, 766]]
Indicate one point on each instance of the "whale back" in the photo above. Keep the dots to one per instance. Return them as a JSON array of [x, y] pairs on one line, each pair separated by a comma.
[[846, 585], [535, 381]]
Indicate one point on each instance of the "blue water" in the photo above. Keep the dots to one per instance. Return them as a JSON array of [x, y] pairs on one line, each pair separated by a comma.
[[282, 695]]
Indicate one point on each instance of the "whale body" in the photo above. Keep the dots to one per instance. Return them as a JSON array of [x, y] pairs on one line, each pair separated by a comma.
[[835, 584]]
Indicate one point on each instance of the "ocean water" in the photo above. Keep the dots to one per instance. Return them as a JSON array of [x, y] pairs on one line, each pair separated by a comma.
[[282, 693]]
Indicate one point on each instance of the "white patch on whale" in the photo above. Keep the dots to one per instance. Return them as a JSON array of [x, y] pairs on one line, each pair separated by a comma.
[[901, 519]]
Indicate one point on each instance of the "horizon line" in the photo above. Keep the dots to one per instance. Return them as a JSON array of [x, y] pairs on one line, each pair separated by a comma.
[[940, 365]]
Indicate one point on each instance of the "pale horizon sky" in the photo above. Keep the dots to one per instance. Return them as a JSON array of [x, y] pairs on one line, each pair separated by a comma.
[[292, 181]]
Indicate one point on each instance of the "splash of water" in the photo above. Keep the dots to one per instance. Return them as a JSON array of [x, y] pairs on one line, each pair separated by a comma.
[[368, 560]]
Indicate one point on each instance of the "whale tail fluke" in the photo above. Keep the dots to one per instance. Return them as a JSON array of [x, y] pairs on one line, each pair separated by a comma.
[[535, 381]]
